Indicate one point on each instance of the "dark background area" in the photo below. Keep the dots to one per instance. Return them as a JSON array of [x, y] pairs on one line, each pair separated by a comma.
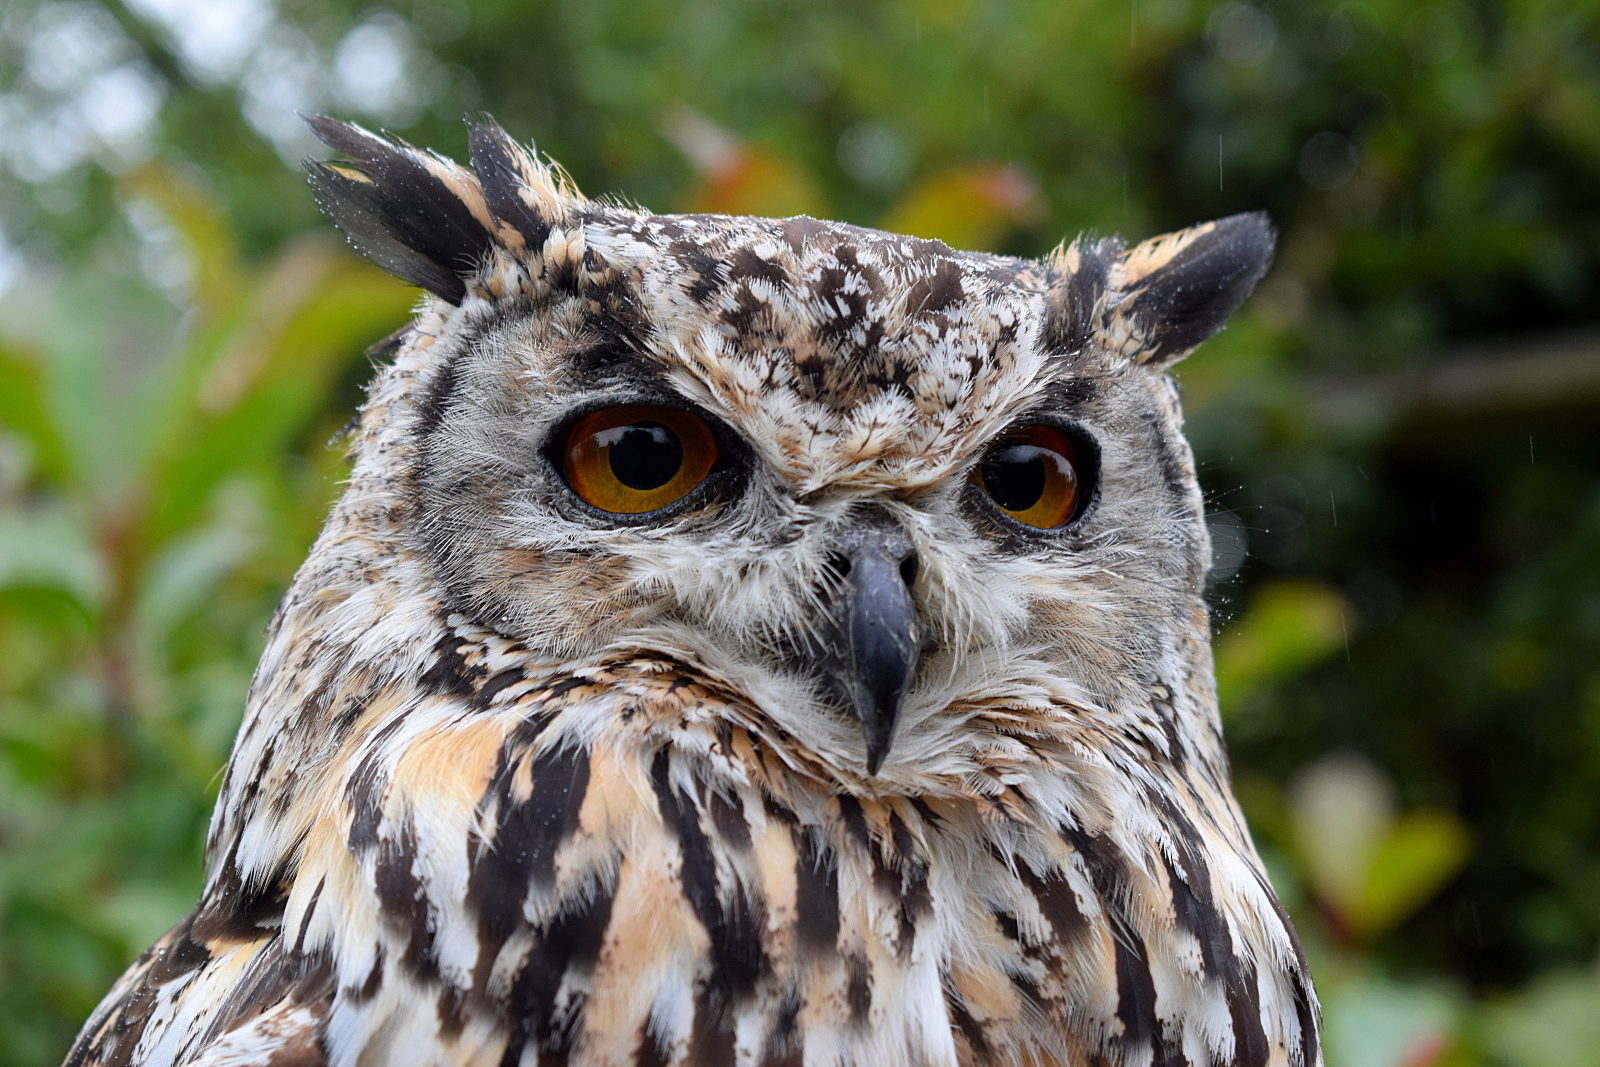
[[1397, 434]]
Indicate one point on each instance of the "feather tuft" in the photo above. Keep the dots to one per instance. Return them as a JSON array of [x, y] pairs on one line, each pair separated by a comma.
[[428, 220]]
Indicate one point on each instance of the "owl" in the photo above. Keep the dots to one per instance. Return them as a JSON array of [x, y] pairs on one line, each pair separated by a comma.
[[760, 642]]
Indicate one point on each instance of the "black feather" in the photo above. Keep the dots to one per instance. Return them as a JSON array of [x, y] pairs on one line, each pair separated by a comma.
[[396, 211], [493, 159], [1190, 297], [355, 207]]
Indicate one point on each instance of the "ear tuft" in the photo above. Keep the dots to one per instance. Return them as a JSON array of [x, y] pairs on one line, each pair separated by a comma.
[[426, 219], [1178, 289], [522, 193]]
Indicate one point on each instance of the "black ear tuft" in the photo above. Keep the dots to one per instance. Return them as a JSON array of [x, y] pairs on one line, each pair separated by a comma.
[[357, 207], [416, 215], [512, 179], [1183, 286]]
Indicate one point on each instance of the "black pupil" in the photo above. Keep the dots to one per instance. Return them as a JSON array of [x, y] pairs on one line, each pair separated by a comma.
[[1013, 476], [646, 455]]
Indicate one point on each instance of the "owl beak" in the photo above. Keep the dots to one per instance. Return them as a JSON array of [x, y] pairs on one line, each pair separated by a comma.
[[875, 647]]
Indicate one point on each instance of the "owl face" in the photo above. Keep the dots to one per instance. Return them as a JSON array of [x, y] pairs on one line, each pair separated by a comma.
[[874, 486]]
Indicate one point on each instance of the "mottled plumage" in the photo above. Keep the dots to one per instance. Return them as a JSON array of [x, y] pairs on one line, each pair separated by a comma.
[[523, 782]]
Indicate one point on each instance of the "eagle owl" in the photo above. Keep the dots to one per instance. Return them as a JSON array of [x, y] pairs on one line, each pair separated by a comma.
[[741, 641]]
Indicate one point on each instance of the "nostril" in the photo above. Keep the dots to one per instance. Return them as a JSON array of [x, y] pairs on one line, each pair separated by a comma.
[[839, 564], [908, 569]]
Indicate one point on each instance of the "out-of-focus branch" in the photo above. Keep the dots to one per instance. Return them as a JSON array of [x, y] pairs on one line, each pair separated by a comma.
[[1560, 371], [1534, 374], [149, 42]]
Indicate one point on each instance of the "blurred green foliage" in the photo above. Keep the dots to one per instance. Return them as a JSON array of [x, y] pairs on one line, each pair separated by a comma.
[[154, 497], [1395, 435]]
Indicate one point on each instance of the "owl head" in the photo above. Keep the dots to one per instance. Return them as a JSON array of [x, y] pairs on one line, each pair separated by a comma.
[[900, 502]]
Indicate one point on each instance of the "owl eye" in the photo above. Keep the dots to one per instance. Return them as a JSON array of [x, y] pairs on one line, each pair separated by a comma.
[[1033, 475], [637, 458]]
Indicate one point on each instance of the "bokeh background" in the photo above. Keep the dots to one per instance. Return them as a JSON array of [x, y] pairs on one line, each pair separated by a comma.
[[1397, 436]]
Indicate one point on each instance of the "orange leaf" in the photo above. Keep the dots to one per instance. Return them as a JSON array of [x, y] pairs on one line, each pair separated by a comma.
[[973, 206]]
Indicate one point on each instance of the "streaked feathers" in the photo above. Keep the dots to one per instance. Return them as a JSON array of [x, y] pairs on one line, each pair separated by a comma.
[[519, 786]]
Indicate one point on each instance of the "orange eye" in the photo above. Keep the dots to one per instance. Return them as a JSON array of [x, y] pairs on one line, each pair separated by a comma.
[[1032, 475], [634, 459]]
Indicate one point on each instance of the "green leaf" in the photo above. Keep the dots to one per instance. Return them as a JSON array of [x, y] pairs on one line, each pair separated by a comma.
[[1554, 1023], [104, 350], [206, 231], [1289, 626], [25, 410], [1423, 851], [189, 568], [1342, 806], [1373, 1021], [1371, 867], [314, 313], [46, 549]]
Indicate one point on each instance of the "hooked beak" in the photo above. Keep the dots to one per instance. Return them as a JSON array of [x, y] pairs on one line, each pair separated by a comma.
[[872, 644]]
